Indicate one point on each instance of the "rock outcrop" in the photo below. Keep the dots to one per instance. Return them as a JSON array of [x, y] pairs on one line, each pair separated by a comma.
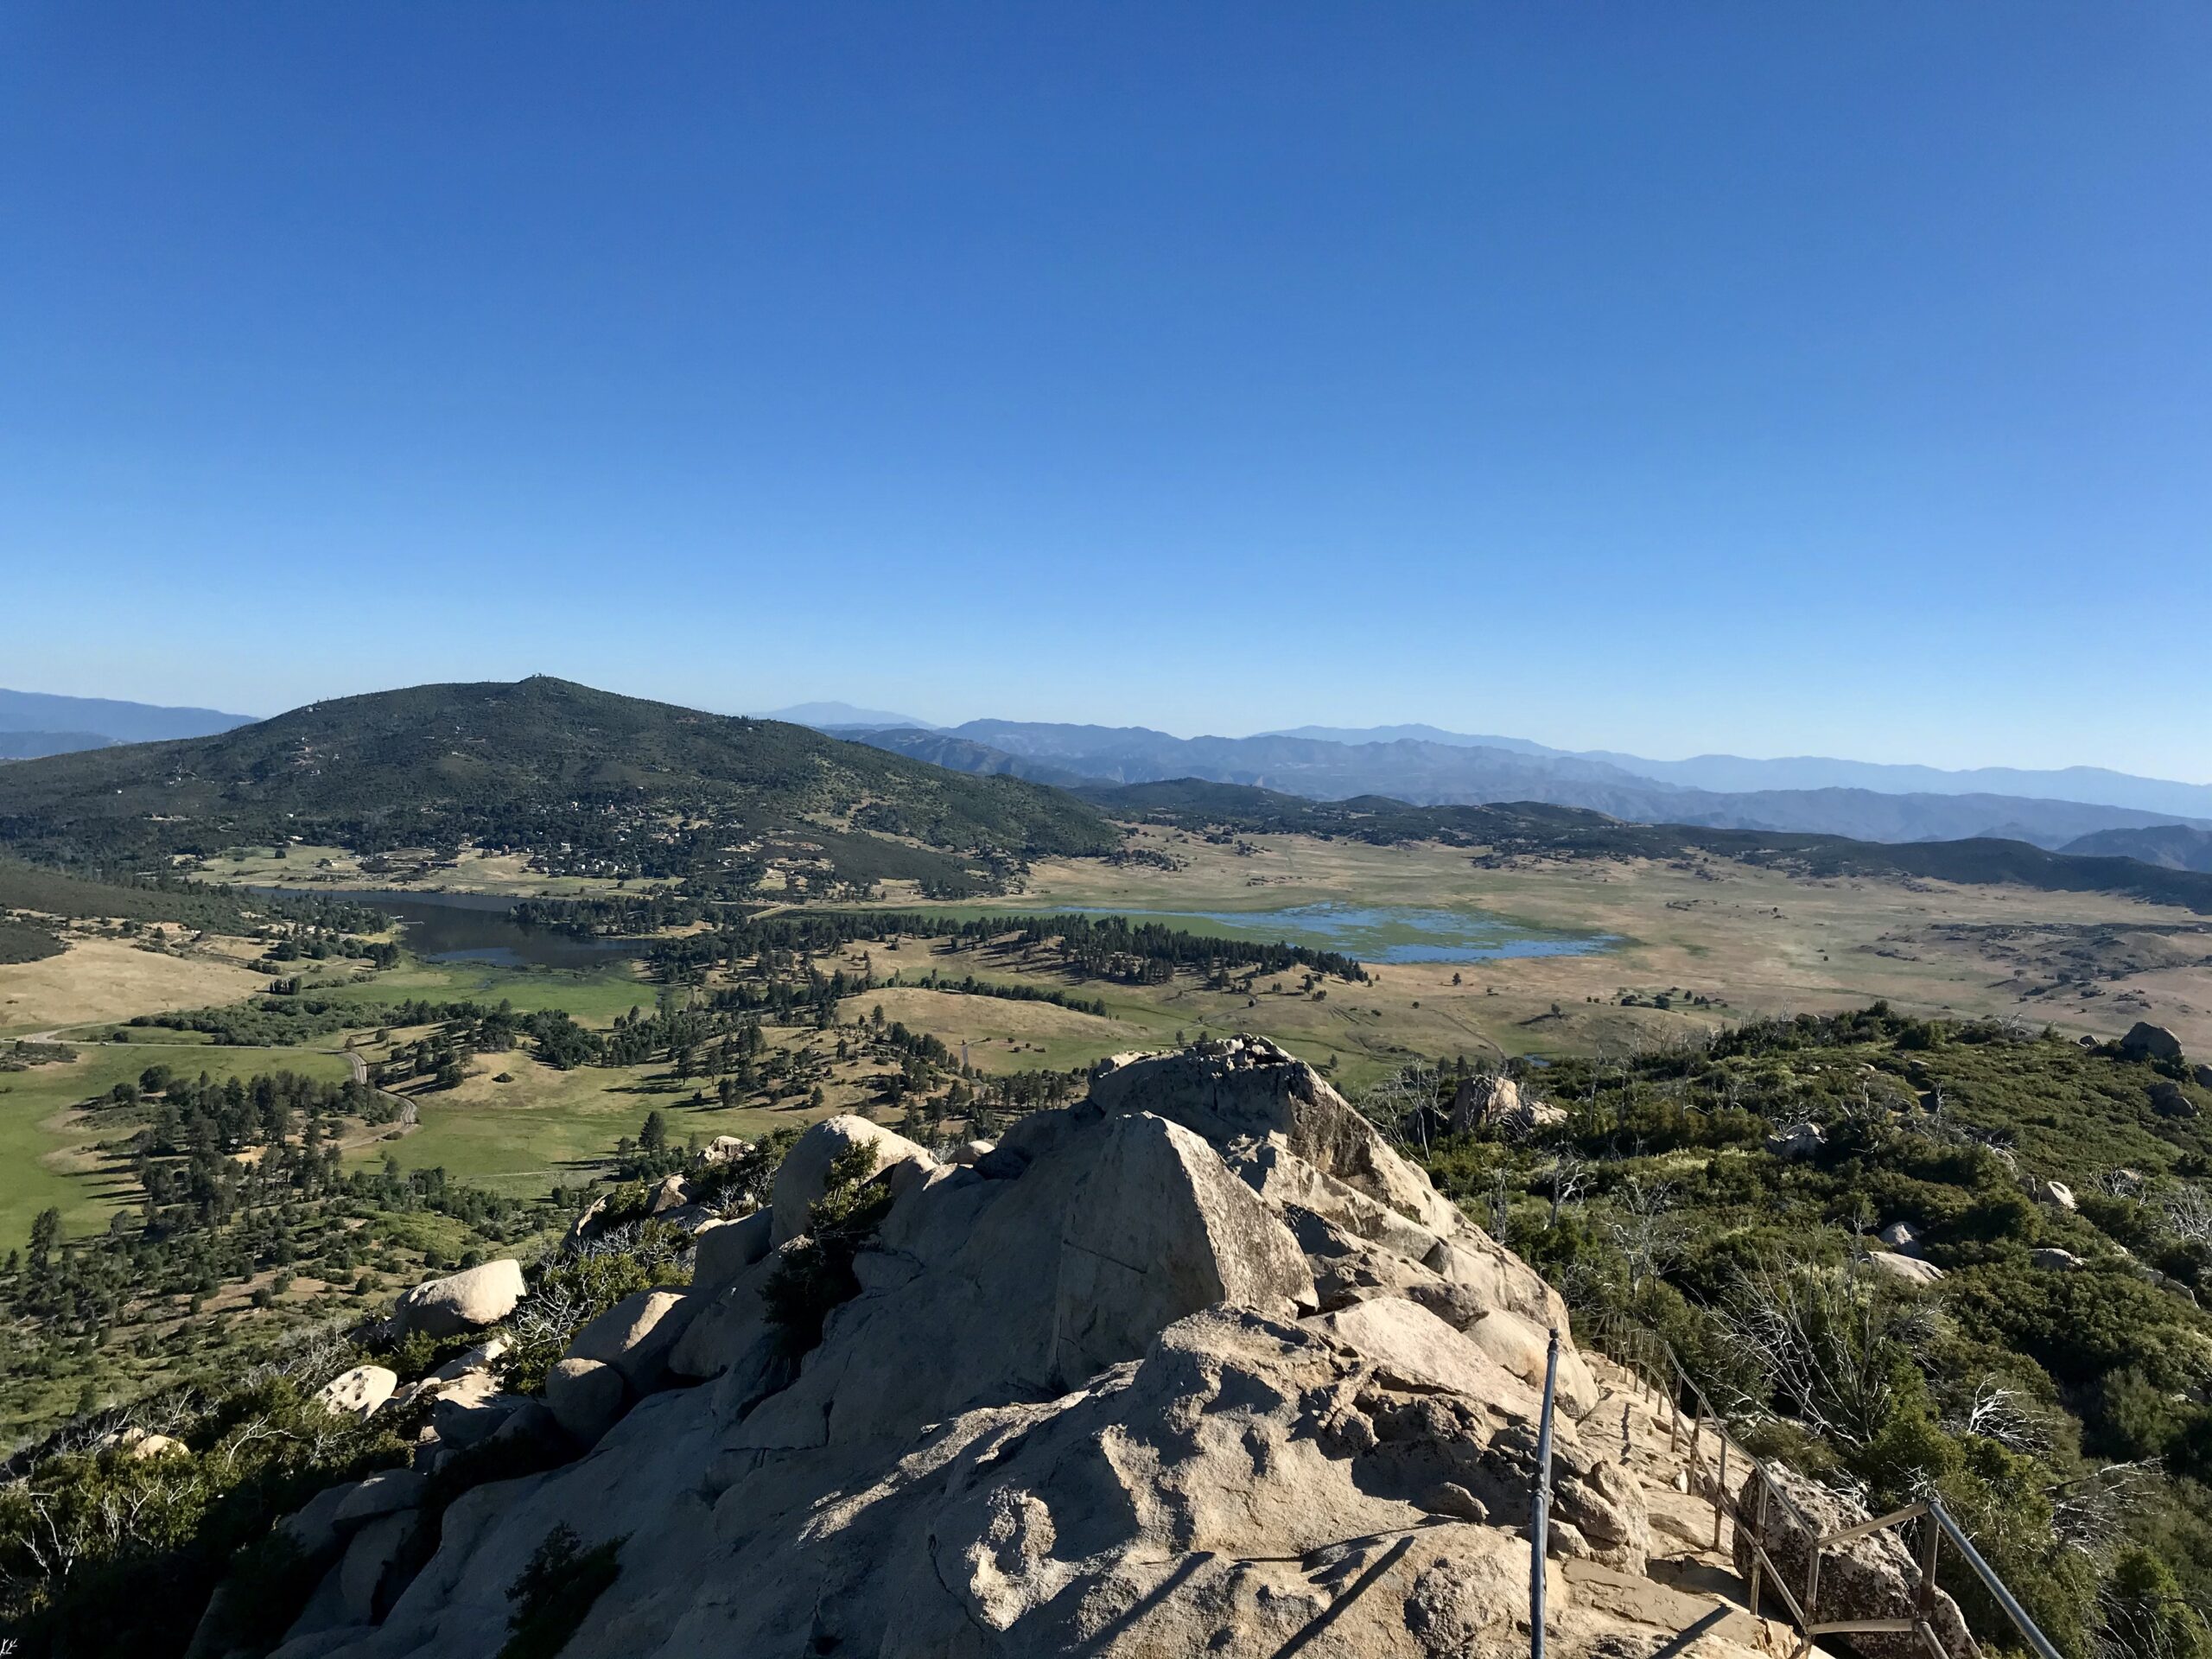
[[723, 1249], [468, 1300], [1479, 1101], [2146, 1041], [1497, 1103], [359, 1392], [1200, 1365], [1911, 1268], [805, 1172], [2170, 1099], [1871, 1577], [1797, 1142]]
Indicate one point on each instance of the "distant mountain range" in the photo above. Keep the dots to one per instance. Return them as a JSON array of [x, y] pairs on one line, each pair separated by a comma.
[[2082, 810], [592, 783], [1428, 768], [1734, 774], [33, 724], [835, 716]]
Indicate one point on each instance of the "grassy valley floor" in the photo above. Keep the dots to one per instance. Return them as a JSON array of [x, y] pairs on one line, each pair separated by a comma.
[[1757, 940]]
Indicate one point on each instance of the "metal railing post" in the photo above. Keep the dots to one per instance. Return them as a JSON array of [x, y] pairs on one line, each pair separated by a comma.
[[1808, 1616], [1540, 1507], [1928, 1547], [1758, 1539], [1720, 1485]]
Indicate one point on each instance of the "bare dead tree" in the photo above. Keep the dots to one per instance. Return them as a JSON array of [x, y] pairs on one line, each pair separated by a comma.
[[1826, 1342], [2126, 1629], [2090, 1514], [1569, 1175], [1644, 1231], [2189, 1214], [2002, 1415]]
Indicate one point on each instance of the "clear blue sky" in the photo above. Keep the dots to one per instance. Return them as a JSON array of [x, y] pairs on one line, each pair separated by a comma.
[[1768, 379]]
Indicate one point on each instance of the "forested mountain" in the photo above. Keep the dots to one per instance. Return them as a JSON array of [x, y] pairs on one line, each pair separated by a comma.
[[1407, 764], [585, 779], [965, 754]]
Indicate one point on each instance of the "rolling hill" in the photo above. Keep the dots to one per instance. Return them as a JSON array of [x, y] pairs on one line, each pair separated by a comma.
[[2172, 846], [1548, 830], [589, 781]]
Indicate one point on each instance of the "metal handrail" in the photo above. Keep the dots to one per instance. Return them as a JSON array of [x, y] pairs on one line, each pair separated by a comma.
[[1647, 1353], [1995, 1586], [1540, 1505]]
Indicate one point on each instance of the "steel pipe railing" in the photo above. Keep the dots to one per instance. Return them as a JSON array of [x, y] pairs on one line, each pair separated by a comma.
[[1654, 1366], [1540, 1505]]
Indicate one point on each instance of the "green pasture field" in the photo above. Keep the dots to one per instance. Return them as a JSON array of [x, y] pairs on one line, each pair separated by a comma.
[[547, 1128], [50, 1158], [592, 996]]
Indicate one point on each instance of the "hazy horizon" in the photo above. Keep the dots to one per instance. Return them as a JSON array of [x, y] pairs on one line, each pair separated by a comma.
[[792, 710]]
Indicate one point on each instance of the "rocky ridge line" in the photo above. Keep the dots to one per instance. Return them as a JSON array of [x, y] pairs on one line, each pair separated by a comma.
[[1199, 1365]]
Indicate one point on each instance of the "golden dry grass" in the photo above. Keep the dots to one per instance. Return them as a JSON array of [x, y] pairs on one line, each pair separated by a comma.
[[1760, 941], [103, 979]]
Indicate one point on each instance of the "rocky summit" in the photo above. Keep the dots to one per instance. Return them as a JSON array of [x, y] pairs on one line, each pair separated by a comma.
[[1200, 1365]]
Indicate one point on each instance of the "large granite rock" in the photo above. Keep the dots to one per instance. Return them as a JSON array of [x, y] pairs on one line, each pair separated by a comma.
[[359, 1393], [471, 1409], [635, 1335], [2145, 1041], [723, 1249], [1496, 1103], [2170, 1099], [464, 1302], [585, 1396], [1481, 1101], [804, 1172], [378, 1495], [1794, 1142], [1872, 1577], [1251, 1098], [1088, 1398], [1909, 1269]]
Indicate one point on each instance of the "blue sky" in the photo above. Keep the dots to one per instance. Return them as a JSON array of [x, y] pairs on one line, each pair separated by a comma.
[[1774, 379]]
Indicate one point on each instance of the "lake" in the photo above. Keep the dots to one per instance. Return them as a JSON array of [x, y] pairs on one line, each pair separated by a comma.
[[1377, 933], [474, 927], [478, 927]]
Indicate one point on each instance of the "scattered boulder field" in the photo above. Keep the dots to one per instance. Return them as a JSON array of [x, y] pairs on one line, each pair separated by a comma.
[[1197, 1365]]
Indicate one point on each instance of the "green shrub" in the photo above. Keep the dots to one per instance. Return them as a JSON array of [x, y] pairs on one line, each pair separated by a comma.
[[149, 1539], [552, 1594], [816, 1276], [567, 1292]]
